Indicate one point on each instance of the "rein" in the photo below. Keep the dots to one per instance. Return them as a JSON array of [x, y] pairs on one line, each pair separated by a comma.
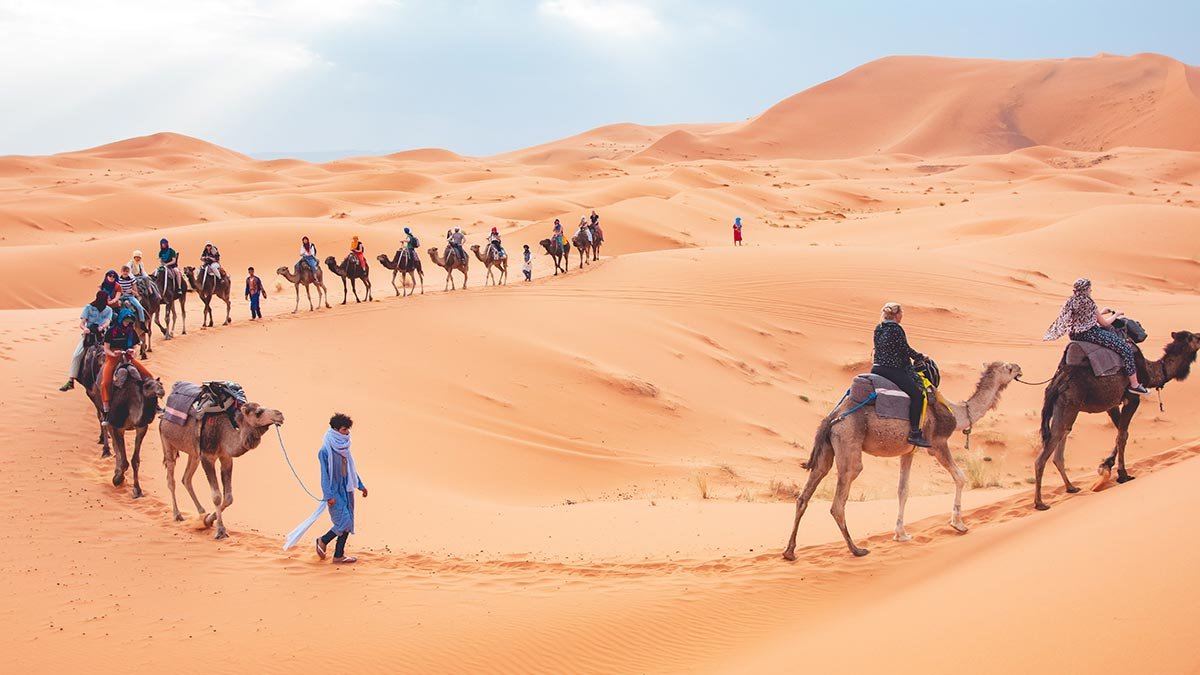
[[279, 434], [1033, 384]]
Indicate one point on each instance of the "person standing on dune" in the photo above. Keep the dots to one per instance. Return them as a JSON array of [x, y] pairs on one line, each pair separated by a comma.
[[527, 268], [339, 480], [737, 231], [254, 293]]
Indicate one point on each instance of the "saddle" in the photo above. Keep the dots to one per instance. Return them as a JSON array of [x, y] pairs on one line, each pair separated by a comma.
[[889, 400], [202, 402]]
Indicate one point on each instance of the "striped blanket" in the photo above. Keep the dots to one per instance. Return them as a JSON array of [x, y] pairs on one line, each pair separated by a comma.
[[181, 402], [890, 401]]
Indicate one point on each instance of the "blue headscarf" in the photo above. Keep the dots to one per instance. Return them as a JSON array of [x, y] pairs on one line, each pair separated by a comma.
[[737, 221]]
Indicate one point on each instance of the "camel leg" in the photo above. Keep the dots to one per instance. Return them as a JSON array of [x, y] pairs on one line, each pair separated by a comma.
[[906, 462], [158, 322], [394, 282], [297, 308], [227, 480], [941, 451], [815, 476], [354, 287], [345, 291], [189, 471], [1060, 463], [210, 470], [422, 275], [182, 313], [849, 466], [120, 459], [324, 289], [105, 448], [135, 462], [169, 457], [370, 295], [228, 311], [1060, 428], [1127, 412]]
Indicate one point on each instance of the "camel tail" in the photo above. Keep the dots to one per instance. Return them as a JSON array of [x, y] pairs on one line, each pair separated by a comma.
[[821, 444], [1053, 391]]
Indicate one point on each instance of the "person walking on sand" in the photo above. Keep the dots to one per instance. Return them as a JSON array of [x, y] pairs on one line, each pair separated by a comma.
[[737, 231], [527, 268], [339, 480], [254, 293]]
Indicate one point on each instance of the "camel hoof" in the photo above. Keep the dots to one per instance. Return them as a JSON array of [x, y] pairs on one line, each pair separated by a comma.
[[902, 537], [961, 528], [789, 555], [209, 520], [106, 454], [1072, 489], [221, 534], [179, 517], [860, 552], [1124, 478], [1041, 507], [118, 479], [138, 494]]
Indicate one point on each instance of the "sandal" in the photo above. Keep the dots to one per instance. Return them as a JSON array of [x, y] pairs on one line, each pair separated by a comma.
[[345, 560], [321, 546]]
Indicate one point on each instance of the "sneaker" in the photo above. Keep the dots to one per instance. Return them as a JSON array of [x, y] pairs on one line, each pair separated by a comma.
[[918, 439], [1139, 390], [68, 386]]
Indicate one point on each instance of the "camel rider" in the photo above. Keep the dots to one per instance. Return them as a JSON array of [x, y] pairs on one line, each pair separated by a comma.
[[137, 269], [119, 341], [210, 262], [894, 360], [595, 225], [456, 240], [494, 243], [308, 255], [1081, 319], [584, 229], [558, 232], [126, 295], [410, 244], [168, 260], [93, 320], [360, 253]]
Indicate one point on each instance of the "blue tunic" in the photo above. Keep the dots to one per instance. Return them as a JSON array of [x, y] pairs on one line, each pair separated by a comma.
[[334, 487]]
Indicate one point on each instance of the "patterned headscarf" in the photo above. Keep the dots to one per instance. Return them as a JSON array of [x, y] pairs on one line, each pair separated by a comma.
[[1078, 312]]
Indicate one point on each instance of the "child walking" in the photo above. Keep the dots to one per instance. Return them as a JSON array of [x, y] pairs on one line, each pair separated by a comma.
[[339, 480], [527, 268], [737, 231], [254, 292]]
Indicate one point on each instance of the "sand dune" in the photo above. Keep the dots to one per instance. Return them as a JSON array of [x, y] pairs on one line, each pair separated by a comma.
[[594, 472]]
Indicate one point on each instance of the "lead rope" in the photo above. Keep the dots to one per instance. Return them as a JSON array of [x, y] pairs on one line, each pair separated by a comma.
[[279, 434], [1160, 403], [1033, 384]]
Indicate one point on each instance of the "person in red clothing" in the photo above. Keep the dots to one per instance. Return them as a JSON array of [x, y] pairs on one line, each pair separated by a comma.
[[359, 252], [119, 341], [737, 231]]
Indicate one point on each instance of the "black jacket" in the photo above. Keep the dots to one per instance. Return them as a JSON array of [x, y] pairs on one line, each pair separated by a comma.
[[891, 347]]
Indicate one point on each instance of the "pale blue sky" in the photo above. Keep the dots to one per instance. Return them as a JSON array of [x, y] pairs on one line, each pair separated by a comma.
[[485, 76]]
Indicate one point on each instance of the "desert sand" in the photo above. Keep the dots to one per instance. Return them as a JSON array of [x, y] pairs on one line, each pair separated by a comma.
[[596, 472]]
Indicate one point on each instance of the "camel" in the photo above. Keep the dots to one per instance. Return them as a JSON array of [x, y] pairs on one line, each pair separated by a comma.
[[350, 269], [132, 407], [309, 278], [406, 265], [212, 286], [597, 240], [584, 246], [560, 254], [491, 261], [171, 293], [222, 443], [1075, 389], [846, 439], [450, 263]]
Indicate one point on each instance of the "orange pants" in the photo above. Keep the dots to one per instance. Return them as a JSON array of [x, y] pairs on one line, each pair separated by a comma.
[[106, 374]]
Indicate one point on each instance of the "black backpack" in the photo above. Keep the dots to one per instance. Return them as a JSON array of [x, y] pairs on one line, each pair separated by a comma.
[[1130, 329]]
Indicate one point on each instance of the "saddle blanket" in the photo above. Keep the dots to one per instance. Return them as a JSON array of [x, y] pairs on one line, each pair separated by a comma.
[[1103, 360], [188, 399], [890, 401]]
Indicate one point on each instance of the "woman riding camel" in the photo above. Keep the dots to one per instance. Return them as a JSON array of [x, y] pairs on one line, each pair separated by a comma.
[[308, 255], [558, 232], [168, 259], [94, 318], [119, 341], [114, 289], [359, 252], [894, 360], [1081, 319]]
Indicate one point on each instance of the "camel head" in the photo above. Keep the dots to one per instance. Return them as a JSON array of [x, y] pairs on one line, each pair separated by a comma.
[[386, 261], [545, 244], [331, 262], [283, 272], [149, 388], [1001, 373], [153, 389], [1184, 345], [189, 273], [254, 421], [475, 247]]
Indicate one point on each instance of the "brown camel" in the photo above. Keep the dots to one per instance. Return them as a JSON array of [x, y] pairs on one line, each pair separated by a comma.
[[211, 286], [845, 440], [1075, 389], [450, 263], [583, 246], [350, 269], [171, 292], [490, 261], [221, 443], [309, 278], [407, 265], [132, 407], [560, 254], [597, 240], [150, 302]]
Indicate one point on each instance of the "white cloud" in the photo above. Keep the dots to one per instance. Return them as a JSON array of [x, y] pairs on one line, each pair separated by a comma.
[[614, 18], [173, 64]]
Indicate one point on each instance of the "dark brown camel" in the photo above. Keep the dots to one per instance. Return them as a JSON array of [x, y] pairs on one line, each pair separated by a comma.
[[132, 407], [219, 442], [1075, 389], [450, 263], [560, 254], [211, 286], [350, 269], [408, 266], [171, 292], [490, 261], [597, 240], [581, 244], [308, 277]]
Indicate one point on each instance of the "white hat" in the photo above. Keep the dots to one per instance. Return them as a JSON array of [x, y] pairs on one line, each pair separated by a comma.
[[137, 254]]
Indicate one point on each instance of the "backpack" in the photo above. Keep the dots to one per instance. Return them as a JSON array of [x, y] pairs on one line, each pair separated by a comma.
[[1130, 329], [415, 242]]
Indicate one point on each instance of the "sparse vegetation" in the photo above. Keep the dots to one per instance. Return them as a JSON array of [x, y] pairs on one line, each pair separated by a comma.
[[979, 474], [783, 490], [701, 481]]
